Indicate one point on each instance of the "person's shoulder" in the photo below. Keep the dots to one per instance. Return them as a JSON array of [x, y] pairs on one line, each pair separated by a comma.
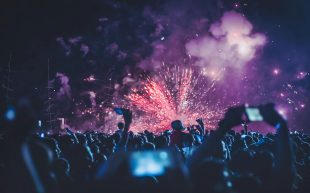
[[118, 131]]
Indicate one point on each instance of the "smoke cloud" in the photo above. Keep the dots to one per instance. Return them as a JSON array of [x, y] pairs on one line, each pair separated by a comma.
[[64, 90], [230, 43], [92, 98]]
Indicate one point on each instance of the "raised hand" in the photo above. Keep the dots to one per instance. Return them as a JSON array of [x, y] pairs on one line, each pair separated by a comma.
[[232, 118], [191, 129], [201, 126], [127, 114], [271, 116], [200, 129], [200, 121]]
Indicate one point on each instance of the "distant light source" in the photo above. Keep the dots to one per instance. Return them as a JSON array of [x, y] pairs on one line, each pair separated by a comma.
[[236, 5], [10, 114], [276, 71]]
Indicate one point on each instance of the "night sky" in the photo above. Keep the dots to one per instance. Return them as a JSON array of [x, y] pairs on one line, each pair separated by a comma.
[[98, 49]]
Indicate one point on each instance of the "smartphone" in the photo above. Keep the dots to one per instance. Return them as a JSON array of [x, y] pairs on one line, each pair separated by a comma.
[[150, 163], [118, 111], [253, 114]]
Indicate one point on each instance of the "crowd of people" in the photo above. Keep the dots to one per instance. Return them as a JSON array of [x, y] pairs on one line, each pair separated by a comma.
[[179, 159]]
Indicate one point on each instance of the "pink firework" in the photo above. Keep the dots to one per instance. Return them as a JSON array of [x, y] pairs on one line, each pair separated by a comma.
[[172, 94]]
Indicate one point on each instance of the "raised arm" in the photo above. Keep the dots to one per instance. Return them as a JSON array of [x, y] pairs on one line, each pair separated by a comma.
[[72, 135], [127, 115], [232, 118], [202, 126], [284, 173]]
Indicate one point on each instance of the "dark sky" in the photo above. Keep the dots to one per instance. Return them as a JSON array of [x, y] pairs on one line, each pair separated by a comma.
[[120, 34]]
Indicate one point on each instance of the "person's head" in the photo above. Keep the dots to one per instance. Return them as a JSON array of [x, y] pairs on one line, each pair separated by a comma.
[[177, 125], [220, 150], [110, 144], [60, 168], [150, 137], [53, 145], [120, 125], [81, 138], [161, 142], [148, 146], [117, 137], [248, 140], [94, 148]]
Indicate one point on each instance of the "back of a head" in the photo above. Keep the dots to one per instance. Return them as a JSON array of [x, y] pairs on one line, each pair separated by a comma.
[[120, 125], [248, 140], [148, 146], [81, 138], [53, 145], [117, 137], [150, 137], [177, 125]]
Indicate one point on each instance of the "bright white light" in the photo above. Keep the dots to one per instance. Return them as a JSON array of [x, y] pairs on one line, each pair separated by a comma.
[[276, 71], [282, 111]]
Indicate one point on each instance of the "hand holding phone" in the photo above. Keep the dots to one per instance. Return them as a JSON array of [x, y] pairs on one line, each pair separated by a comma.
[[232, 118], [253, 114], [271, 116]]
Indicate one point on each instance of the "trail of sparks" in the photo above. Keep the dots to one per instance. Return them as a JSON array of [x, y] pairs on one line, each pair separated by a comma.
[[172, 94]]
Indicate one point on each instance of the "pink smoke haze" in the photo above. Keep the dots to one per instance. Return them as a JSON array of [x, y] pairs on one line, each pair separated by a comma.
[[231, 43], [65, 89], [92, 98]]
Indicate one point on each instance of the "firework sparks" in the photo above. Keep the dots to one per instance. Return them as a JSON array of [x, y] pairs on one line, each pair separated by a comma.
[[90, 78], [172, 94]]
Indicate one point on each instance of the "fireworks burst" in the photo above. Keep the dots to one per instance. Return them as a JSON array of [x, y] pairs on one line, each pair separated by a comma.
[[173, 94]]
